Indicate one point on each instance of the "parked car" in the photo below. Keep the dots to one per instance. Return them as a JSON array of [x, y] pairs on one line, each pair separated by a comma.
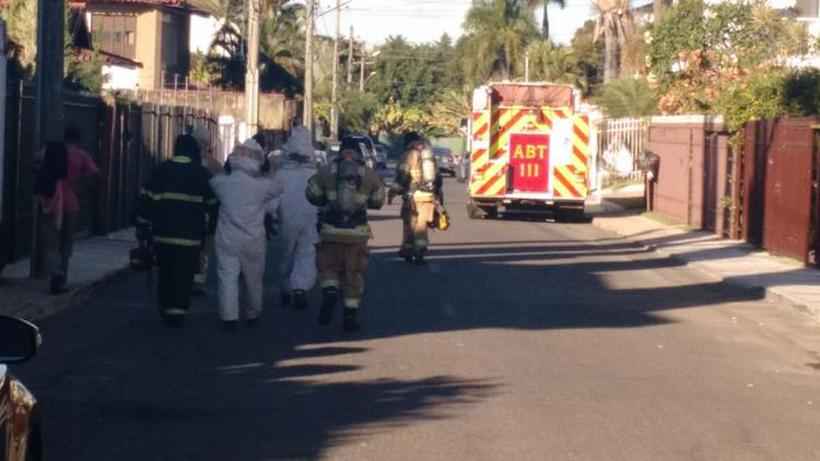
[[445, 160], [20, 426], [368, 149], [382, 152]]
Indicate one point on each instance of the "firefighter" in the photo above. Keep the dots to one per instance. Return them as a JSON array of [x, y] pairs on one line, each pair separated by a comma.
[[297, 220], [344, 189], [245, 194], [175, 214], [419, 183]]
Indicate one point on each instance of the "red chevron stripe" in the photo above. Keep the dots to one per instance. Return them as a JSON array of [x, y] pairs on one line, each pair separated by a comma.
[[583, 137], [511, 123], [481, 131], [567, 184], [499, 153], [579, 154], [488, 185], [477, 116], [477, 154]]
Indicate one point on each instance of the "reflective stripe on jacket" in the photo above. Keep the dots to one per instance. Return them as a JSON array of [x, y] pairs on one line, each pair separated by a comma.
[[177, 206]]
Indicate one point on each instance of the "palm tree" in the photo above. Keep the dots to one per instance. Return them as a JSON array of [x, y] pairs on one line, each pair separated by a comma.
[[545, 19], [629, 97], [283, 34], [615, 24], [497, 34], [556, 64]]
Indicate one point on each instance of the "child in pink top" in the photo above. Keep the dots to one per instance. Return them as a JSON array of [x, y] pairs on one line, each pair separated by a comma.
[[60, 204]]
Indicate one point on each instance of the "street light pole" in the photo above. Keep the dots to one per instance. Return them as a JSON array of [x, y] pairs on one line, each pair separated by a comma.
[[307, 113], [252, 73], [334, 110], [49, 117]]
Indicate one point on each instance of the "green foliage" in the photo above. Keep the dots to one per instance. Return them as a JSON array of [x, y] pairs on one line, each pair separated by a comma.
[[83, 71], [280, 56], [496, 34], [761, 96], [589, 54], [83, 68], [555, 64], [745, 33], [628, 97], [357, 112]]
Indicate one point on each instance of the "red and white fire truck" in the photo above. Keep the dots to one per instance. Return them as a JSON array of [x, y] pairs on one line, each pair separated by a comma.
[[529, 151]]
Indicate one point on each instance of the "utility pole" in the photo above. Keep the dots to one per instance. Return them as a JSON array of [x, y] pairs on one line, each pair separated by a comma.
[[350, 60], [307, 113], [527, 66], [252, 72], [49, 119], [361, 73], [334, 109]]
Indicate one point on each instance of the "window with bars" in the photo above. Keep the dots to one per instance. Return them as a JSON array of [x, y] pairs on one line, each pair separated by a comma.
[[115, 34]]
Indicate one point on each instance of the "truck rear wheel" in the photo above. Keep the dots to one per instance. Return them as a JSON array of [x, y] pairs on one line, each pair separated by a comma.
[[571, 215], [481, 212]]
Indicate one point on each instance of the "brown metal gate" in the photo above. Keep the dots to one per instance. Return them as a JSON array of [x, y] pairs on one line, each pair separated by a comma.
[[789, 172]]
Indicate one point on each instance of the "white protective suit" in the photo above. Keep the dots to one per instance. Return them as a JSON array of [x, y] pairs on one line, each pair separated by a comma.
[[240, 242], [297, 217]]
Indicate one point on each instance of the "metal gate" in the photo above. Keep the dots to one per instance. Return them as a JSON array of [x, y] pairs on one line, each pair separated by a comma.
[[620, 146]]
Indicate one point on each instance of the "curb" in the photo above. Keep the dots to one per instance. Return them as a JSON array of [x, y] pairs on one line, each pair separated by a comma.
[[36, 311], [768, 293]]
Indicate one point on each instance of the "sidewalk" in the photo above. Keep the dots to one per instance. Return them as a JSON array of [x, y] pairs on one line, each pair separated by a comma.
[[95, 260], [734, 262]]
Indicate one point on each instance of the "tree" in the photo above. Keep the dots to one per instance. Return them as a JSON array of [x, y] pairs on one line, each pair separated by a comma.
[[83, 66], [283, 36], [555, 64], [497, 33], [615, 24], [629, 97], [698, 52], [545, 19], [590, 56]]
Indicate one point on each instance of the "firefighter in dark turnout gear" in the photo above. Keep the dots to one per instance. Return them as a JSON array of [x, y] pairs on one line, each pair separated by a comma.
[[176, 211], [344, 190]]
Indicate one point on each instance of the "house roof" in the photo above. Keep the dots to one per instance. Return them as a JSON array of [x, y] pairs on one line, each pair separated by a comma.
[[110, 59], [191, 5]]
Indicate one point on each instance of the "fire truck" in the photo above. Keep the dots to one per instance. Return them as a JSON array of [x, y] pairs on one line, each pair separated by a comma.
[[529, 151]]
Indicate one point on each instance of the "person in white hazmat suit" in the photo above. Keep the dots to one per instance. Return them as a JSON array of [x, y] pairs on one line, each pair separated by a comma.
[[245, 195], [297, 219]]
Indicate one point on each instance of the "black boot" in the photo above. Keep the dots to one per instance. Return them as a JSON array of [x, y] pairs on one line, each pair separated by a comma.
[[419, 257], [285, 298], [330, 297], [300, 300], [230, 326], [406, 254], [351, 320]]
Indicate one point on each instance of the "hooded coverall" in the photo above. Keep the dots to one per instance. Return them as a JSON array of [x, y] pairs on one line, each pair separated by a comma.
[[297, 217], [244, 196]]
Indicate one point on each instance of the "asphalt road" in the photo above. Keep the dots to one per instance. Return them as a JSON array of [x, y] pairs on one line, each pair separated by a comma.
[[520, 340]]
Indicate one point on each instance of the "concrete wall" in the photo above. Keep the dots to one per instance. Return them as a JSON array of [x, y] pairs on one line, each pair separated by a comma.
[[121, 78], [149, 47]]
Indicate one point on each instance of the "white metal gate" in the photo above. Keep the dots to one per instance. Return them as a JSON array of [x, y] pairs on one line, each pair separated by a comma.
[[621, 143]]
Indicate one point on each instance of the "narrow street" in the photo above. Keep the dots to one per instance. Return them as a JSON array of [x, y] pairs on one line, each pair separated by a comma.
[[520, 340]]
